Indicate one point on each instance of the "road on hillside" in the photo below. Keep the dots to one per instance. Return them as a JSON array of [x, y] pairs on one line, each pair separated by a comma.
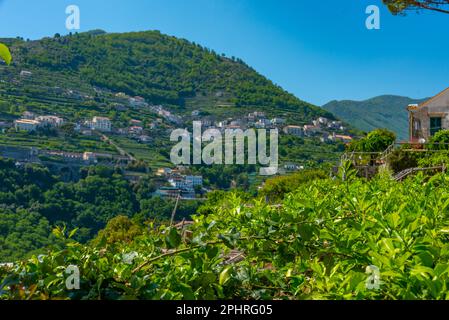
[[116, 146]]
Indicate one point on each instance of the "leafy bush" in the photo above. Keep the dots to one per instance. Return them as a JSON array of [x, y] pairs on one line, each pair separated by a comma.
[[376, 141], [440, 141], [276, 188], [319, 244], [31, 196], [119, 229], [439, 158]]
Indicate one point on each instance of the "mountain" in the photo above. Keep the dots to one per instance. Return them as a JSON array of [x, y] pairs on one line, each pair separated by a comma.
[[387, 111], [163, 69], [83, 75]]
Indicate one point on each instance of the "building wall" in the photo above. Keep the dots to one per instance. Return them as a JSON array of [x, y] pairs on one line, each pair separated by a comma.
[[424, 114], [438, 106]]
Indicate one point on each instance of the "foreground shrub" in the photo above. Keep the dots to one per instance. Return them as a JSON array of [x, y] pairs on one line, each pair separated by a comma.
[[319, 244]]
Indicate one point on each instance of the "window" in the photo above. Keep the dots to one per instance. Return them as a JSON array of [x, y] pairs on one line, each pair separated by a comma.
[[416, 128], [435, 125]]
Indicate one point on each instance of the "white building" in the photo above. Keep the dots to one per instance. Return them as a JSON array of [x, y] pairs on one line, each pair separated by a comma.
[[194, 180], [26, 124], [206, 123], [28, 115], [137, 102], [265, 121], [259, 125], [221, 124], [294, 130], [100, 124], [311, 130], [278, 121], [135, 130], [186, 182], [323, 120], [255, 115], [89, 157], [51, 121], [25, 73], [336, 125], [144, 138], [292, 167]]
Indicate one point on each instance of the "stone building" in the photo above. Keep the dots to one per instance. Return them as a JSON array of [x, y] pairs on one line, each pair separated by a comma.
[[429, 117]]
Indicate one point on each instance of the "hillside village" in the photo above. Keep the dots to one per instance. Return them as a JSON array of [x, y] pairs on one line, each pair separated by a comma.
[[174, 182], [66, 122], [327, 130]]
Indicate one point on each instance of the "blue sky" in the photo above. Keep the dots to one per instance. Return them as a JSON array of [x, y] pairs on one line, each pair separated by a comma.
[[318, 50]]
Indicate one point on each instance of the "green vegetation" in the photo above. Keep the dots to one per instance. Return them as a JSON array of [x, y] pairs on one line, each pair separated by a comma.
[[376, 141], [301, 236], [432, 154], [380, 112], [318, 244], [275, 189], [160, 68], [32, 202], [76, 143], [440, 141]]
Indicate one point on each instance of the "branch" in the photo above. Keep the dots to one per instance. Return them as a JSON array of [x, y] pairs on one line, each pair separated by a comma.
[[399, 6], [176, 252], [212, 243], [428, 7]]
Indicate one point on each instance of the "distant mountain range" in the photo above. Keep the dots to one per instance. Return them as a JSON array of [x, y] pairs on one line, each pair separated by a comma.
[[387, 111]]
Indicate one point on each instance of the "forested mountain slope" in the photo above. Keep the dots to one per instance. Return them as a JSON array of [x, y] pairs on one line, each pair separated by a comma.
[[386, 111], [162, 69]]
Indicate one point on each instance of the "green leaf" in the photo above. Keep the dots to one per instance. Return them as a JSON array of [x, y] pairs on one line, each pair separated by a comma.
[[225, 275], [227, 241], [186, 291], [212, 252], [73, 232], [5, 54], [422, 272], [173, 238], [426, 258], [306, 232], [59, 232]]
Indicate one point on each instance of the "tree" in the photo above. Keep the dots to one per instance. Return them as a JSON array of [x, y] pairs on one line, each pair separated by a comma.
[[68, 129], [118, 229], [376, 141], [400, 6]]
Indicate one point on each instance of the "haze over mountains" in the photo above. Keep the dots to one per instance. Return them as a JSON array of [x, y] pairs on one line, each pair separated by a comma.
[[387, 111]]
